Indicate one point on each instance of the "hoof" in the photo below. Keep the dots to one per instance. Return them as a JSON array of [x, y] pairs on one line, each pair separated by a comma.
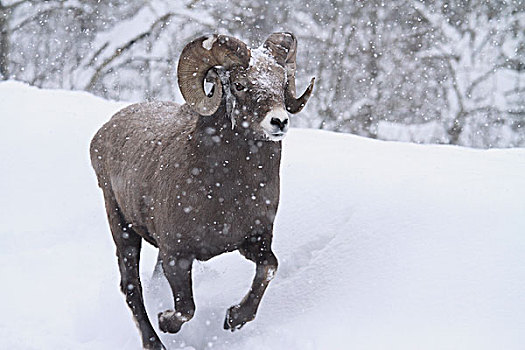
[[171, 321], [237, 317]]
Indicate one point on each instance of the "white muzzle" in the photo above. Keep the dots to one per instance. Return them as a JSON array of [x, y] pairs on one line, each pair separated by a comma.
[[276, 124]]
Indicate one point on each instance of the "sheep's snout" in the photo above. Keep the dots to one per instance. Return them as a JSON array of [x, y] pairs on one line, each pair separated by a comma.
[[276, 123]]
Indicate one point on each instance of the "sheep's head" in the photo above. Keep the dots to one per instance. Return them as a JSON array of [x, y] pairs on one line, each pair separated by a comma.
[[257, 86]]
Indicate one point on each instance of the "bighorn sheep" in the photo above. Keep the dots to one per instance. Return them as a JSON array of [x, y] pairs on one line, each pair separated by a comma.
[[201, 179]]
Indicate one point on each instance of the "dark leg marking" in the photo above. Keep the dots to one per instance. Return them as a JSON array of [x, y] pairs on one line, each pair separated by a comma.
[[178, 272]]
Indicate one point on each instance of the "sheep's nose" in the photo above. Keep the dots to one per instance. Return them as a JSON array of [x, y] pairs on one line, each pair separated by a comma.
[[281, 124]]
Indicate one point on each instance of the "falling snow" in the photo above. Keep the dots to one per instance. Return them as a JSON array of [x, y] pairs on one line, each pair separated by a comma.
[[422, 71], [381, 245], [395, 245]]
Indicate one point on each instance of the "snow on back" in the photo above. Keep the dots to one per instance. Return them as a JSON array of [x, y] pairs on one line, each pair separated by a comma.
[[381, 245]]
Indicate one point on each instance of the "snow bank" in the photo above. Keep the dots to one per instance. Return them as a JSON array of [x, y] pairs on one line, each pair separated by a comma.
[[381, 244]]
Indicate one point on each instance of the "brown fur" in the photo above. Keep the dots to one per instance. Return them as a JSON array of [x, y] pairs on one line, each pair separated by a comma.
[[196, 186], [180, 185]]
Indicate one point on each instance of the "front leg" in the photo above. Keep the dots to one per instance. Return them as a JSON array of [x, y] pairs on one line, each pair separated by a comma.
[[266, 266], [178, 272]]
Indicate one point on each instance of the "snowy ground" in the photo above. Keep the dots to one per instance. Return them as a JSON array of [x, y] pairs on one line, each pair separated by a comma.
[[382, 245]]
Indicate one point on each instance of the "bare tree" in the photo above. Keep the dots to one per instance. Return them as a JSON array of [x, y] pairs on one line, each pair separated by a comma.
[[453, 66], [481, 54], [6, 14]]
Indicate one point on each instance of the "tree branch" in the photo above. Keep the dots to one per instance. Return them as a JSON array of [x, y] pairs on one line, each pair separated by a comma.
[[120, 50], [40, 14], [437, 21], [482, 78], [13, 5]]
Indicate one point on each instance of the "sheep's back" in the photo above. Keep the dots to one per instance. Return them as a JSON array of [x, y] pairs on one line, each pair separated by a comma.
[[136, 144]]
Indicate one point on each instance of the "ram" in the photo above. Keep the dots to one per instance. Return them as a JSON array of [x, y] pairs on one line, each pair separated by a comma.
[[201, 179]]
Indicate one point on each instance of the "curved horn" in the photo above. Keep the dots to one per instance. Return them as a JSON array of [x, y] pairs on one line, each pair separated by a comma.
[[283, 46], [197, 58]]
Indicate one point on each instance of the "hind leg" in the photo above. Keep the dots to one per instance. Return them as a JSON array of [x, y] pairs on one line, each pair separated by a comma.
[[128, 245]]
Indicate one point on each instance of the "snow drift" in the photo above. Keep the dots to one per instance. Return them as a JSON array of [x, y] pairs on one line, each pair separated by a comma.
[[381, 244]]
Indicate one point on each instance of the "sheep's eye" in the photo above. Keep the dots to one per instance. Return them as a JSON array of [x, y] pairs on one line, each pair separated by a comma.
[[239, 87]]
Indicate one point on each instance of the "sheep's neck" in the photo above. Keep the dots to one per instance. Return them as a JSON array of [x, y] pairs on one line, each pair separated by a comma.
[[231, 154]]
